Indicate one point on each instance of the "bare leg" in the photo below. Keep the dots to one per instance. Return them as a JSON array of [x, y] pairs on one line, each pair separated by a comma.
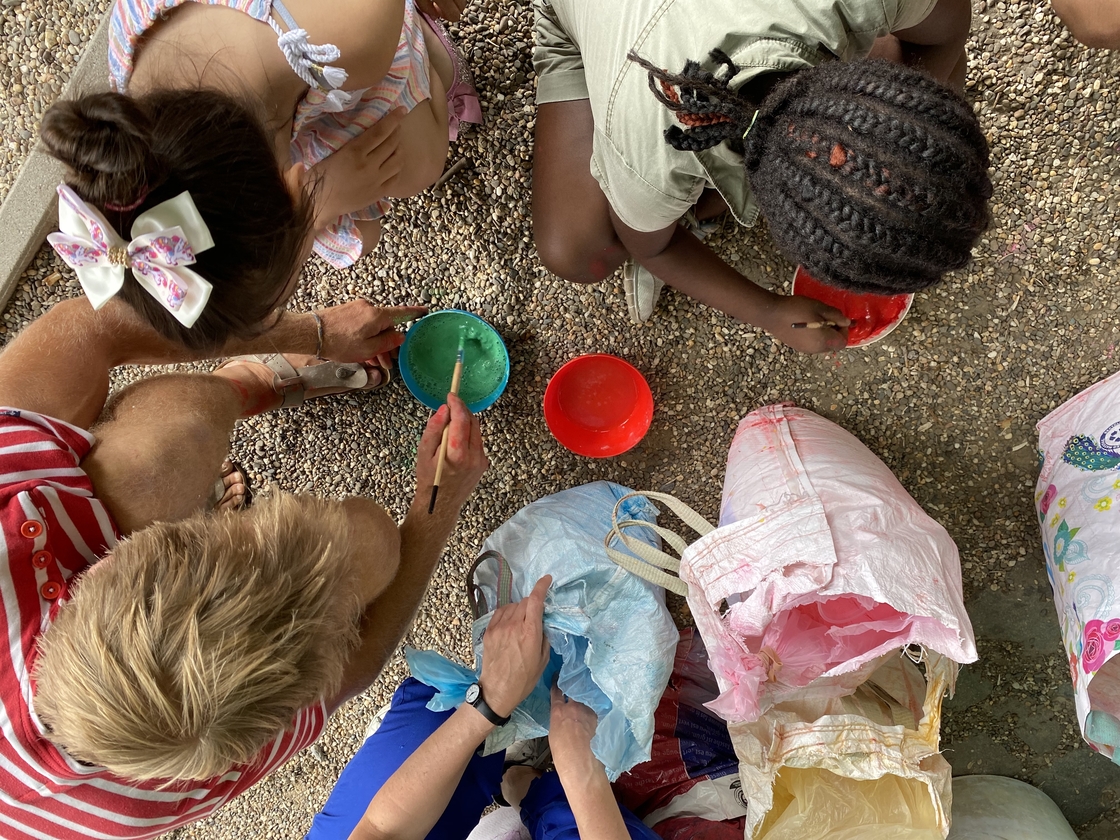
[[571, 217], [710, 206], [163, 441]]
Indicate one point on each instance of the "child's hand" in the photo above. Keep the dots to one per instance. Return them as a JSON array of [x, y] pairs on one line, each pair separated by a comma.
[[795, 309], [571, 727], [446, 9], [356, 175]]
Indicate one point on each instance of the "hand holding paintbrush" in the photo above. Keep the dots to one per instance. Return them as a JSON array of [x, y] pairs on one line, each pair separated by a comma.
[[456, 378]]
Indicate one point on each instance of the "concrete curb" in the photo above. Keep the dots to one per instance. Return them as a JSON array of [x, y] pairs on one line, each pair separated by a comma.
[[30, 210]]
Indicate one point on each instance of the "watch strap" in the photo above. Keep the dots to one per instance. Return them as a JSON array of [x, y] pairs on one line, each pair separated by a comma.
[[488, 713]]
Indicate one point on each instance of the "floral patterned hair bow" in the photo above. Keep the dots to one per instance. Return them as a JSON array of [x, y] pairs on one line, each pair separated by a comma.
[[165, 241]]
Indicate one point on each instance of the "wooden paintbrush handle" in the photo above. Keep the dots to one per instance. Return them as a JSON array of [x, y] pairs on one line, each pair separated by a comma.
[[456, 378]]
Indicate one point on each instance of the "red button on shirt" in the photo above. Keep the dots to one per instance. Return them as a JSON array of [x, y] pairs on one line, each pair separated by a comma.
[[31, 529], [50, 590], [41, 559]]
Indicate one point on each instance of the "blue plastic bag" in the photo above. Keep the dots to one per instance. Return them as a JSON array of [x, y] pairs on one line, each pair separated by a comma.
[[613, 640]]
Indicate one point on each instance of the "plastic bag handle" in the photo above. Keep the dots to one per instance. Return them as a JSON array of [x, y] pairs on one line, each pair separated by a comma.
[[475, 597], [657, 567]]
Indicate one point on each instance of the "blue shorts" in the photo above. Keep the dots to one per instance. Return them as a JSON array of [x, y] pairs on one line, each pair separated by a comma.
[[545, 810]]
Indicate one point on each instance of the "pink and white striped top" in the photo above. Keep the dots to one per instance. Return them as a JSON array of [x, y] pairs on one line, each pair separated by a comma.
[[53, 529], [319, 129]]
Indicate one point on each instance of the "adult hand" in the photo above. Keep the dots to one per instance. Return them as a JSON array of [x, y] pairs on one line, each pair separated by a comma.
[[795, 309], [356, 175], [359, 331], [515, 651], [570, 730], [446, 9], [466, 458]]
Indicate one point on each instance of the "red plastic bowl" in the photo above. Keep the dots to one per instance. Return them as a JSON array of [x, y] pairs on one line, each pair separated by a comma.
[[873, 316], [598, 406]]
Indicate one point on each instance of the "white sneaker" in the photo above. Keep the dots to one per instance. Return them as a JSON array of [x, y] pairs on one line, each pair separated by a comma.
[[642, 291]]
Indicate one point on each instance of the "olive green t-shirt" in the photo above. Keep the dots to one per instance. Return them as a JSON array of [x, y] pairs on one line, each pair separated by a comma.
[[580, 53]]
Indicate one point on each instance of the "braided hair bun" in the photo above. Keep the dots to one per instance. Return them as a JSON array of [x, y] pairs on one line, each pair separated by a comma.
[[105, 139], [871, 174]]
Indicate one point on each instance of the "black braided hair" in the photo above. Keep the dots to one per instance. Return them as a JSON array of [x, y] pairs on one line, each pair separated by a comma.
[[872, 175]]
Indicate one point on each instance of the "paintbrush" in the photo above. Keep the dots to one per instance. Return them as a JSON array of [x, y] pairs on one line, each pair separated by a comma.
[[814, 325], [456, 377]]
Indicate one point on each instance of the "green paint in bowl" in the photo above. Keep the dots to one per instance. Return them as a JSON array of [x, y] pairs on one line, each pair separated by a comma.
[[427, 359]]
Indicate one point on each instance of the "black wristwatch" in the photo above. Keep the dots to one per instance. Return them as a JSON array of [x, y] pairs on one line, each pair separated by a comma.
[[474, 698]]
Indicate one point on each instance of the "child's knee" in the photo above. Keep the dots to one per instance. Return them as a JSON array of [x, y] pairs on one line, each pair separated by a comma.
[[1095, 23], [580, 259]]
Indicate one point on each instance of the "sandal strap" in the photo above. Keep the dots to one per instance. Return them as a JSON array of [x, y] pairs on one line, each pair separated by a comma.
[[292, 384]]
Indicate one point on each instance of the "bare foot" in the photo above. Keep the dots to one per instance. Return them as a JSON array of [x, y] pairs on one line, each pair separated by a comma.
[[231, 491], [258, 384]]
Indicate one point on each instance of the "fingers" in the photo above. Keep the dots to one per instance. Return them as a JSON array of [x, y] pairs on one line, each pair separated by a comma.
[[546, 649], [835, 316], [476, 436], [534, 604], [835, 338], [404, 314], [382, 132], [386, 317], [459, 438], [384, 343], [433, 435]]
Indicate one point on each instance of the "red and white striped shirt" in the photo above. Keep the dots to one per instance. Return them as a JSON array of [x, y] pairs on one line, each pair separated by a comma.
[[53, 528]]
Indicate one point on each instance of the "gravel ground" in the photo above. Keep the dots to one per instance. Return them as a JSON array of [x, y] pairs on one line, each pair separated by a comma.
[[949, 400]]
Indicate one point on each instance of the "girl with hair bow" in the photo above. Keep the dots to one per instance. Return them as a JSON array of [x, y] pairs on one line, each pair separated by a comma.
[[287, 123]]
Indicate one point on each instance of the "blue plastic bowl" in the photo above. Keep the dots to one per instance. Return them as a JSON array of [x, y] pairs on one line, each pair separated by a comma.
[[434, 401]]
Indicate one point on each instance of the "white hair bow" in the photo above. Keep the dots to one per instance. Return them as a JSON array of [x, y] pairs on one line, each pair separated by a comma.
[[165, 241]]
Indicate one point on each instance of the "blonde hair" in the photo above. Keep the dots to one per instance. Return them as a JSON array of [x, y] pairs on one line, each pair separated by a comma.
[[196, 643]]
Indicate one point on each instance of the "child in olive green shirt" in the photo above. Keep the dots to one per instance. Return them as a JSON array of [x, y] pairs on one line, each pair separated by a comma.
[[872, 175]]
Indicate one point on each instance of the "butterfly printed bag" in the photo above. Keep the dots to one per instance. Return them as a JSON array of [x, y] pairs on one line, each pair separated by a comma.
[[1078, 504]]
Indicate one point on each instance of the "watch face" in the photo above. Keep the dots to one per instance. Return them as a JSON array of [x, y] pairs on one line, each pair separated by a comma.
[[472, 693]]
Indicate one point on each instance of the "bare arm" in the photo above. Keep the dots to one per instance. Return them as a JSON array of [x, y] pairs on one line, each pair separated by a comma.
[[687, 264], [571, 729], [515, 652], [423, 537], [397, 812], [59, 365]]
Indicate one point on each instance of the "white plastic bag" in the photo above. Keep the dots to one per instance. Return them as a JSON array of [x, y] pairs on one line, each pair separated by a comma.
[[1078, 504], [877, 748], [998, 808], [613, 640]]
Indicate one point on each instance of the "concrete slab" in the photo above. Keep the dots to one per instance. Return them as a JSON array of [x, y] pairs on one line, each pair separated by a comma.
[[30, 210]]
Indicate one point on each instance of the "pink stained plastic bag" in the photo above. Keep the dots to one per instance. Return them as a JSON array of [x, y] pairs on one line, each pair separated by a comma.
[[821, 564]]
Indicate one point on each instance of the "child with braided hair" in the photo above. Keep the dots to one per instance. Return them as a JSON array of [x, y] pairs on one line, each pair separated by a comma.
[[871, 173]]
